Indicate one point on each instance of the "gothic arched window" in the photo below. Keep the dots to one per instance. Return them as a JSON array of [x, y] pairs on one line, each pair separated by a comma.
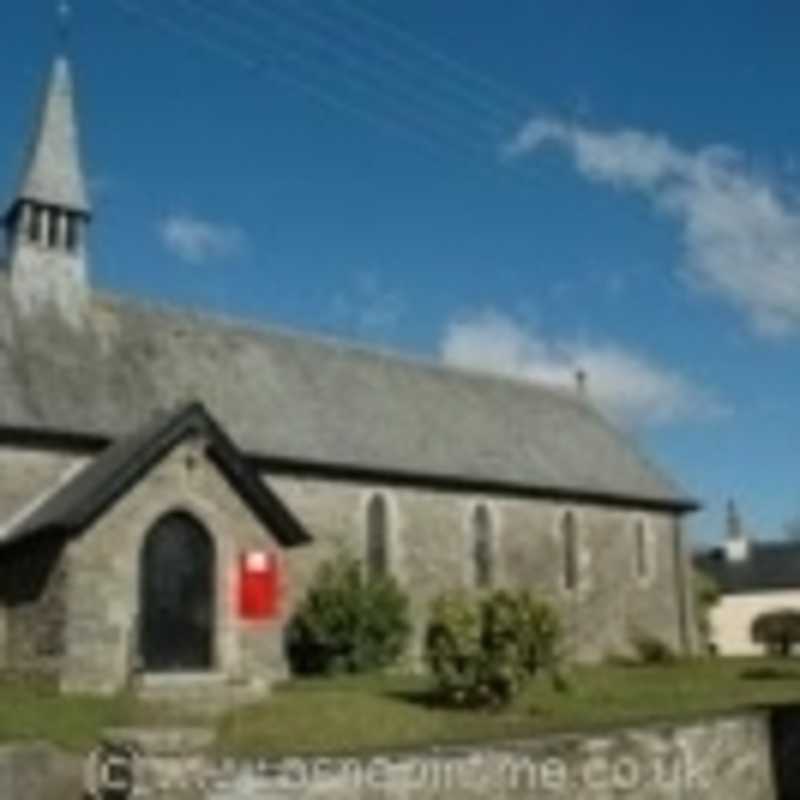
[[569, 536], [483, 555], [377, 545], [36, 223], [73, 232], [53, 222], [642, 550]]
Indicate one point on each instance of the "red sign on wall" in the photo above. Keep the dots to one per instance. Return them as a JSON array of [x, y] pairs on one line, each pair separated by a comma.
[[259, 586]]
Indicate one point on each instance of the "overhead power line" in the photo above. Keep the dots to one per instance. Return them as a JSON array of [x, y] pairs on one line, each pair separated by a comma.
[[319, 56], [253, 63], [341, 72], [431, 72], [520, 101]]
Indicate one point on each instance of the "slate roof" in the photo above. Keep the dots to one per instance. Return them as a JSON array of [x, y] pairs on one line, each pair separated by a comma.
[[75, 505], [53, 174], [311, 400], [770, 566]]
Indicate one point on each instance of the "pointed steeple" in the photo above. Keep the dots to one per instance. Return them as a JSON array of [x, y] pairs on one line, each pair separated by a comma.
[[46, 224], [54, 176], [737, 544]]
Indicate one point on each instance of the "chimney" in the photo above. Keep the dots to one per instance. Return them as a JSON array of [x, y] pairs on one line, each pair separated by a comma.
[[737, 545]]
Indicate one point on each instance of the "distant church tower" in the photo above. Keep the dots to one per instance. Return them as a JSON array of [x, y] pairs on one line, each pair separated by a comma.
[[47, 222]]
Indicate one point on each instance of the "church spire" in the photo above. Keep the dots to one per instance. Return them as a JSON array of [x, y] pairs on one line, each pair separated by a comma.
[[54, 175], [47, 221], [737, 545]]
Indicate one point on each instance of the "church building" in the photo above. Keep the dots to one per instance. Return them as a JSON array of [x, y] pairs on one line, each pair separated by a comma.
[[169, 482]]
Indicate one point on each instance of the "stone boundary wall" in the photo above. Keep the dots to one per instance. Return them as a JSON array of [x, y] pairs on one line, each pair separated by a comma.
[[751, 755], [712, 759], [37, 771]]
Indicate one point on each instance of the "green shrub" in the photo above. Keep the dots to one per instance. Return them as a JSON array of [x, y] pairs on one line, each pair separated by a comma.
[[542, 634], [778, 631], [706, 596], [483, 650], [652, 651], [348, 623]]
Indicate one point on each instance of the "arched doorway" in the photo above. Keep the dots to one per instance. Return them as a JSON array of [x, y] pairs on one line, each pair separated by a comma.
[[176, 578]]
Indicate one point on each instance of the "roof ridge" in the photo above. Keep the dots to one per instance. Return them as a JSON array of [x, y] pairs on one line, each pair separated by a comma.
[[89, 487], [444, 420], [260, 328], [415, 360]]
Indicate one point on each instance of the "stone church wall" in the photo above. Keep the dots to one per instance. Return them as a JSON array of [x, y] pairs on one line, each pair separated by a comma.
[[3, 637], [104, 563], [33, 586], [430, 539], [32, 579], [92, 616], [44, 277]]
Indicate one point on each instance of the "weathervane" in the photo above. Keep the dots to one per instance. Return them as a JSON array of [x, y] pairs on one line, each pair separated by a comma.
[[64, 20]]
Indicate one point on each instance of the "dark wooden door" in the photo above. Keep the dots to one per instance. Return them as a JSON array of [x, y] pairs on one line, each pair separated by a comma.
[[177, 596]]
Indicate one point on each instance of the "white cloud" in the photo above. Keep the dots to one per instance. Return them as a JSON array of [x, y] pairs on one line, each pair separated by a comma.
[[625, 384], [200, 241], [741, 233]]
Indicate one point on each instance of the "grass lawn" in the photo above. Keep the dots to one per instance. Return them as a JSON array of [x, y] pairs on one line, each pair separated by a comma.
[[369, 713], [362, 714], [33, 709]]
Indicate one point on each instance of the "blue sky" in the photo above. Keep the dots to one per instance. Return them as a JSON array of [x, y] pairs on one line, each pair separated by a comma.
[[611, 185]]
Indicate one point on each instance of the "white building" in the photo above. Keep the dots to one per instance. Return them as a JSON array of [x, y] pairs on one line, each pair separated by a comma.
[[754, 578]]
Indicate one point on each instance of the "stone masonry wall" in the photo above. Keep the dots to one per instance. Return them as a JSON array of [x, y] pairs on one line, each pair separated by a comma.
[[739, 756], [43, 278], [103, 601], [33, 586], [3, 637], [430, 545], [430, 541], [712, 758]]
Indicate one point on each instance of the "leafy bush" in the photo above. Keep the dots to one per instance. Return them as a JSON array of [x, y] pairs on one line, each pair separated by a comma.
[[778, 631], [651, 650], [348, 623], [706, 596], [483, 650]]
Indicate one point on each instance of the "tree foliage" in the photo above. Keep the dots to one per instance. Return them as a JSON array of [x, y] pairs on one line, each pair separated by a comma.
[[348, 622], [651, 650], [706, 595], [778, 631], [483, 650]]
